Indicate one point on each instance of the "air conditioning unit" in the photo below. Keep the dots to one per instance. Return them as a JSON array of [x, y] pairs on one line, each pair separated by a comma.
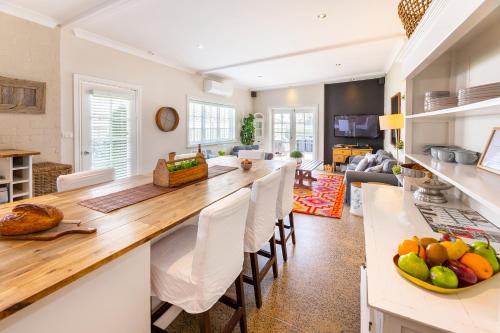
[[217, 88]]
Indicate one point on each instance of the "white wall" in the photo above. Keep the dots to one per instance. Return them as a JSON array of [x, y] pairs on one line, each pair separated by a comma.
[[161, 86], [394, 83], [31, 52], [302, 96]]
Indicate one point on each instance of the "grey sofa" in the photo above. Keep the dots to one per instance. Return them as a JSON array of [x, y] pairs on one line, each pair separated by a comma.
[[379, 169], [236, 149]]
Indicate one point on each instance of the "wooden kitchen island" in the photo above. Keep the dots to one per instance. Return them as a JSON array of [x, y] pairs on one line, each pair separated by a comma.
[[389, 303], [100, 282]]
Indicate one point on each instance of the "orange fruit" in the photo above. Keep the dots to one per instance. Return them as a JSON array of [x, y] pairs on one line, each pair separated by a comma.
[[481, 267], [411, 245]]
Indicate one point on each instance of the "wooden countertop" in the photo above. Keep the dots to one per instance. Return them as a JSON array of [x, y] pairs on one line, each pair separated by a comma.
[[390, 216], [30, 270], [4, 153]]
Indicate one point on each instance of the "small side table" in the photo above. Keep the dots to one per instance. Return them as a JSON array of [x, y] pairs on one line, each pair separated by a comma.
[[356, 199]]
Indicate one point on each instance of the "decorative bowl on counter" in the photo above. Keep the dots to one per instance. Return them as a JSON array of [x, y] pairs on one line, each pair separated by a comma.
[[448, 265], [246, 164]]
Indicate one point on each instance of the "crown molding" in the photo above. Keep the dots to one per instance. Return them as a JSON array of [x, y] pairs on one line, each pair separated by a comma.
[[27, 14], [104, 41], [95, 11], [350, 78]]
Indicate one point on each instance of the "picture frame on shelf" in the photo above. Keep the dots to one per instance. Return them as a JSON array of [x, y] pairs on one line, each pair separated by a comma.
[[395, 109], [490, 159]]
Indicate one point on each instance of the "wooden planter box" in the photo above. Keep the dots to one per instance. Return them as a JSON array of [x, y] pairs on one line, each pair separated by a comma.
[[163, 177]]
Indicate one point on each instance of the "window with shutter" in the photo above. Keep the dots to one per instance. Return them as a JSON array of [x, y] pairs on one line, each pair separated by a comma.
[[210, 123], [109, 129]]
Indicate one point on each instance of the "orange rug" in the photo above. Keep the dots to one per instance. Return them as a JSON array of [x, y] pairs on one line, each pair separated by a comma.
[[324, 198]]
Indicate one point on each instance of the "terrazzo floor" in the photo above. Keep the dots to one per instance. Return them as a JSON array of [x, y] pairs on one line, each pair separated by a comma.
[[317, 289]]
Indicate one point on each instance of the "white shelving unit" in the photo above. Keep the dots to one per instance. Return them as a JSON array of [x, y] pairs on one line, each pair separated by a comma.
[[480, 185], [467, 55], [483, 108], [16, 170], [259, 128]]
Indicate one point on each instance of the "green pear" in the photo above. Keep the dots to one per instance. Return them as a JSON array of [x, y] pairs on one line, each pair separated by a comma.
[[412, 264], [486, 251]]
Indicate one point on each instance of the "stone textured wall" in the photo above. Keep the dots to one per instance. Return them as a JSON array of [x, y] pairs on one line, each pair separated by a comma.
[[32, 52]]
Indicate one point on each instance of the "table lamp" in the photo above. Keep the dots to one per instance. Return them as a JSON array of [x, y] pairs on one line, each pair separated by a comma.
[[393, 122]]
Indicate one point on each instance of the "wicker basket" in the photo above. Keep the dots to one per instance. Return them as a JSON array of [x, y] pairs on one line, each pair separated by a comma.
[[45, 175], [411, 12]]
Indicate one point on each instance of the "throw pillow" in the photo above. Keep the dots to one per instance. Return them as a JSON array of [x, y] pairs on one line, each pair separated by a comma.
[[362, 165], [376, 168], [387, 165], [371, 159]]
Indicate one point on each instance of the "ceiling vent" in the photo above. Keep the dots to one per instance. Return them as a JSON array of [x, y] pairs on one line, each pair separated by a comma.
[[218, 88]]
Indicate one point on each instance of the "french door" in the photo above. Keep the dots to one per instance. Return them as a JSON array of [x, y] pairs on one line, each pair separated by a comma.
[[108, 128], [294, 129]]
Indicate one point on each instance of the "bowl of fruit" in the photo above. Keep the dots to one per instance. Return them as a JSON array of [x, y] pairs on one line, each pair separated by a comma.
[[448, 265], [246, 164]]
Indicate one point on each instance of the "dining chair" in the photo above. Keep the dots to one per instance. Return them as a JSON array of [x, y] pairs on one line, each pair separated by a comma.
[[252, 154], [186, 155], [284, 206], [260, 230], [84, 178], [193, 267]]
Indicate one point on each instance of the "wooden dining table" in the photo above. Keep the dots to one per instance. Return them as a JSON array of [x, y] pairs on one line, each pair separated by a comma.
[[63, 272]]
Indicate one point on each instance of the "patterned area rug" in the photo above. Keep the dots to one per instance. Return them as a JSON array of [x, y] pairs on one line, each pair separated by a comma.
[[324, 198]]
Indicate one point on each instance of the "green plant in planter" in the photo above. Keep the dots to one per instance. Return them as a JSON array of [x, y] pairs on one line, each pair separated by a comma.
[[221, 152], [182, 165], [296, 154], [247, 133], [400, 144]]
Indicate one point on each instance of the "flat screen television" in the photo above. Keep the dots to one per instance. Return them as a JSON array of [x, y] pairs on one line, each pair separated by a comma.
[[359, 126]]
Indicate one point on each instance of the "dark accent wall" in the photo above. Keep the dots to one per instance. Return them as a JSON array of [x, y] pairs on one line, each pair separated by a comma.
[[352, 98]]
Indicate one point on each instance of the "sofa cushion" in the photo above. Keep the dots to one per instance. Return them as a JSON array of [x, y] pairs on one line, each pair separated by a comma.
[[362, 165], [376, 168], [356, 159], [387, 165]]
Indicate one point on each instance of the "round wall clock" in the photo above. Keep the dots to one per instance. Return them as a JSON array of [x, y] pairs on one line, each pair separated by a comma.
[[167, 119]]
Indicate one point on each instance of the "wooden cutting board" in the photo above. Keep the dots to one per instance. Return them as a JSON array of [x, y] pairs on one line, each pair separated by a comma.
[[64, 228]]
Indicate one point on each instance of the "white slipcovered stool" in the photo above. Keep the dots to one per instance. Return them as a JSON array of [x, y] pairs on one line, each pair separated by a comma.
[[260, 229], [193, 267], [284, 206], [84, 178], [252, 154], [356, 199]]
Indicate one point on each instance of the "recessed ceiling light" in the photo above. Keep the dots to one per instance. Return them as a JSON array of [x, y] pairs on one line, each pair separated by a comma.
[[151, 52], [260, 76], [200, 46], [321, 16]]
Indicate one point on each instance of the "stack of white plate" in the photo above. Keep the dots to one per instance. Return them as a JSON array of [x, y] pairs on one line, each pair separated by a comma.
[[438, 100], [478, 93]]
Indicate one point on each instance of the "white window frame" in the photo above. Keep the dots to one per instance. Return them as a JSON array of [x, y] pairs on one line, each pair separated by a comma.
[[211, 143], [79, 81]]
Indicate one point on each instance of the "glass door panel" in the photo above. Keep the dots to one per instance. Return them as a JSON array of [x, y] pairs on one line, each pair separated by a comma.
[[304, 132], [282, 131]]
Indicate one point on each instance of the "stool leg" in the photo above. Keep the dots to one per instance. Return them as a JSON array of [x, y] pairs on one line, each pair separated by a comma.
[[240, 299], [256, 279], [204, 321], [292, 227], [272, 244], [282, 241]]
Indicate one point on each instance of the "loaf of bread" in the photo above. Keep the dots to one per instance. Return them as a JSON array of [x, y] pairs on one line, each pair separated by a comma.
[[30, 218]]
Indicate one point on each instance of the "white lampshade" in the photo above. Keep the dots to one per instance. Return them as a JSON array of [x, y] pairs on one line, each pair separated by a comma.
[[391, 121]]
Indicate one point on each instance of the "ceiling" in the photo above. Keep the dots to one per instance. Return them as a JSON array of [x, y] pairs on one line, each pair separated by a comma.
[[259, 44]]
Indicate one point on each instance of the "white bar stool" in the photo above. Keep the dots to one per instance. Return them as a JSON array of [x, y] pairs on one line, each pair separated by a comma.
[[284, 206], [84, 178], [252, 154], [260, 230], [193, 267]]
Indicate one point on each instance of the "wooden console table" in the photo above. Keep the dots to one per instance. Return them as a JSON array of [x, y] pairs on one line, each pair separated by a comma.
[[341, 154]]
